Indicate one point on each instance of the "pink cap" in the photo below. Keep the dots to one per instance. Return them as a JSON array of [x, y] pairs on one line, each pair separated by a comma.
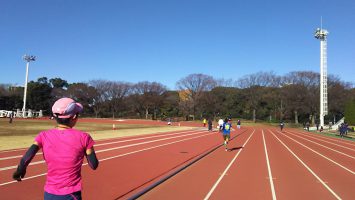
[[66, 108]]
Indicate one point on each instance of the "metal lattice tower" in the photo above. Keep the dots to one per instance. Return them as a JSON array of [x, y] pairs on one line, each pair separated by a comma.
[[321, 34]]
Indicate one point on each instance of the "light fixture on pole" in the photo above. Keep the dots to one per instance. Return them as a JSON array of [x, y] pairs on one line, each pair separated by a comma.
[[28, 59]]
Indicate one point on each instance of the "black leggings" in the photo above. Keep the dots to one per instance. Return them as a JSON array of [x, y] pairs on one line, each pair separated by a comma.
[[72, 196]]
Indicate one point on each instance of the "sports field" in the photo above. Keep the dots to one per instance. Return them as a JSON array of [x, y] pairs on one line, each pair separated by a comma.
[[262, 163]]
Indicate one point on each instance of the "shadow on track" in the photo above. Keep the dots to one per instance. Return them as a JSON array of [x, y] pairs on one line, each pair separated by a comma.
[[234, 148]]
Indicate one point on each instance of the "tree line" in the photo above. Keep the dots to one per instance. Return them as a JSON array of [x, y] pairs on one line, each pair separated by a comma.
[[262, 96]]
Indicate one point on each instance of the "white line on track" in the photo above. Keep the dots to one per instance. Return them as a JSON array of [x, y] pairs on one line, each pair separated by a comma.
[[117, 156], [108, 143], [322, 145], [317, 138], [306, 166], [102, 140], [110, 149], [12, 150], [340, 140], [352, 172], [269, 170], [225, 171]]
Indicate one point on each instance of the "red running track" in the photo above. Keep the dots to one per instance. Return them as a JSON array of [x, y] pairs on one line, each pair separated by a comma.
[[301, 165]]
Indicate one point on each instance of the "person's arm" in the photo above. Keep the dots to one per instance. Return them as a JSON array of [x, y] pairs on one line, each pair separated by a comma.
[[91, 158], [25, 161]]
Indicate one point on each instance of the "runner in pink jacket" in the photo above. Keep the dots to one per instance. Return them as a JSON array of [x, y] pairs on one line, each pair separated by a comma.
[[64, 149]]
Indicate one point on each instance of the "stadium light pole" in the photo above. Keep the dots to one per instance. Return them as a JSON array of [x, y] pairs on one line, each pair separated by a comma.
[[28, 59], [321, 34]]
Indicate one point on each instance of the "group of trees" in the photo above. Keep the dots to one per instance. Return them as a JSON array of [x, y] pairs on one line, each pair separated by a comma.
[[260, 96]]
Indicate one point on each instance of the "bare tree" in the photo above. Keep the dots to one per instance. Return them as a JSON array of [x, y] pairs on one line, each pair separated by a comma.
[[101, 96], [116, 91], [192, 88], [83, 93], [309, 81], [253, 84], [149, 95], [264, 79]]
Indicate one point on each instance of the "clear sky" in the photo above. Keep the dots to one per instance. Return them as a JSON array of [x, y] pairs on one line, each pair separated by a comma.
[[166, 40]]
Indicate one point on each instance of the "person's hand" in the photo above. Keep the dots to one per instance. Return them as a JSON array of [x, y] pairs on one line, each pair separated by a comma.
[[19, 174]]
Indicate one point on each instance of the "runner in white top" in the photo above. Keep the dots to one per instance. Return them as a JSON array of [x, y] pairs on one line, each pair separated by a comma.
[[220, 124]]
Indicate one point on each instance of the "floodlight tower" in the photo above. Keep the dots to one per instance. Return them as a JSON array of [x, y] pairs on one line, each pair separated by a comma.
[[321, 34], [28, 59]]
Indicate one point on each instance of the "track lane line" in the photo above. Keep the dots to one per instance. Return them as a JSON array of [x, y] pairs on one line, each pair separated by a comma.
[[225, 171], [316, 138], [272, 187], [316, 152], [109, 149], [108, 143], [322, 145], [308, 168], [117, 156], [340, 140]]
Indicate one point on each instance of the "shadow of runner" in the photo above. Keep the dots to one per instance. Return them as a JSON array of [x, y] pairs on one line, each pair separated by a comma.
[[234, 148]]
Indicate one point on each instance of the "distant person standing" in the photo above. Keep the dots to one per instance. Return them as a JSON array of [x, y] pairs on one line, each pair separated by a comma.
[[204, 122], [209, 124], [64, 149], [11, 116], [307, 126], [226, 132], [238, 124], [342, 130], [317, 125], [346, 126]]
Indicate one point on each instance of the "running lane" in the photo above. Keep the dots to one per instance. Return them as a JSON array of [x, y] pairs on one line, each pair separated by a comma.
[[120, 172], [196, 181], [334, 176], [291, 179]]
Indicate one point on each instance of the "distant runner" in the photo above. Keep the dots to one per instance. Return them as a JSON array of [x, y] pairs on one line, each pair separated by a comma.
[[238, 124], [282, 125], [226, 132], [220, 124]]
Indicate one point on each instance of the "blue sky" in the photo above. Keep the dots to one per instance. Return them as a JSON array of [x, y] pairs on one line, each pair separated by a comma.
[[166, 40]]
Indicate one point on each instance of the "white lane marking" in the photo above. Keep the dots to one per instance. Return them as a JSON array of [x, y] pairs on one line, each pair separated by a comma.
[[109, 158], [12, 150], [309, 169], [121, 155], [130, 145], [142, 138], [352, 172], [225, 171], [340, 140], [269, 170], [102, 144], [321, 145], [317, 138], [109, 149]]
